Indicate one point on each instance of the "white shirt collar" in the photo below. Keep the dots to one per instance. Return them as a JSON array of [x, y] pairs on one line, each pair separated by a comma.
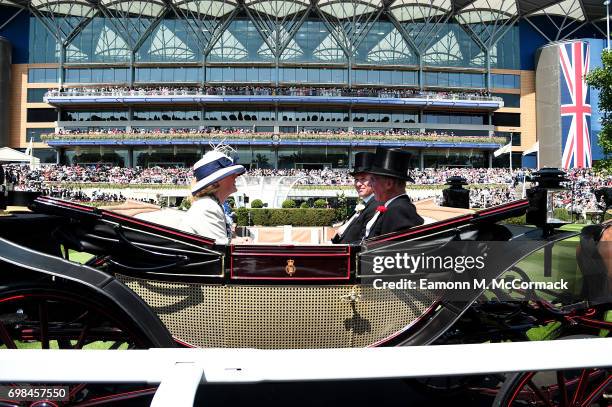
[[368, 198], [393, 199]]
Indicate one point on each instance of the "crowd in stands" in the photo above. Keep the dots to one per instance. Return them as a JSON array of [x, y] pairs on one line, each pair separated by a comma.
[[237, 133], [266, 91], [493, 186]]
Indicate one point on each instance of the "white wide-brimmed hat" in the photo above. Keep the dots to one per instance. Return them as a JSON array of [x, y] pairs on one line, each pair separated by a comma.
[[213, 167]]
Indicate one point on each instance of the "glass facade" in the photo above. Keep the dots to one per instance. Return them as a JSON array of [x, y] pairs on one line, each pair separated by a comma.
[[233, 115], [384, 116], [385, 45], [241, 74], [162, 156], [167, 114], [310, 114], [454, 80], [97, 75], [42, 75], [36, 95], [438, 158], [505, 81], [375, 77], [96, 155], [93, 116], [163, 75], [35, 134], [454, 118], [151, 44], [295, 49], [510, 99]]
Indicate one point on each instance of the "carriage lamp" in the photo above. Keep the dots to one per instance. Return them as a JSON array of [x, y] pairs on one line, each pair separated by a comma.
[[455, 196], [545, 199]]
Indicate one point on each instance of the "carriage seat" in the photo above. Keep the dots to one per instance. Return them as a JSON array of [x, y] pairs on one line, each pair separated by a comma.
[[151, 213]]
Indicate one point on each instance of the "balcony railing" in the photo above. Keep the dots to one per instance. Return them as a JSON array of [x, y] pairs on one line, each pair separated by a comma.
[[263, 91]]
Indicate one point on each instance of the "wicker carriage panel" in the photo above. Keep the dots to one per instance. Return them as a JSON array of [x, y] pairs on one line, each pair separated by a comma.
[[279, 317]]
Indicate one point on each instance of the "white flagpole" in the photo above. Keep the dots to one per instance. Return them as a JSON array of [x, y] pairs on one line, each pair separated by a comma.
[[510, 152]]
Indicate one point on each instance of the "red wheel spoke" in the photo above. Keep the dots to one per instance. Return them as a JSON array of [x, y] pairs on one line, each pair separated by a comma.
[[517, 390], [598, 390], [6, 338], [539, 393], [81, 341], [73, 391], [562, 388], [43, 313], [582, 384]]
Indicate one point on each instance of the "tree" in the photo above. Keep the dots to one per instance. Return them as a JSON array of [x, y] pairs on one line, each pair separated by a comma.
[[257, 203], [601, 79]]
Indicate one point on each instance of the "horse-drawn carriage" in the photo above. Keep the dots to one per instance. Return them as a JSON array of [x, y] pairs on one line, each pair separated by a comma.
[[147, 285]]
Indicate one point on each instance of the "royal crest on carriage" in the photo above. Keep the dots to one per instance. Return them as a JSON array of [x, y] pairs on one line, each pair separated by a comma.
[[290, 267]]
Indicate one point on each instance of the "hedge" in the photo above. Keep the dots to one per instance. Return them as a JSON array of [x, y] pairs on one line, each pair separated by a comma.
[[257, 203], [278, 217]]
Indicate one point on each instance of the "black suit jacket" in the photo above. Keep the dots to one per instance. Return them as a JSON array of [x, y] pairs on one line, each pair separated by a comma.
[[356, 230], [400, 215]]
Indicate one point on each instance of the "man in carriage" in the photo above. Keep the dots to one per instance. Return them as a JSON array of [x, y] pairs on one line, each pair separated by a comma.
[[353, 230], [389, 175]]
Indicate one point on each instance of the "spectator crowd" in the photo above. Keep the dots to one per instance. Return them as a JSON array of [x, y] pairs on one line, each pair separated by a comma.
[[490, 186], [380, 92]]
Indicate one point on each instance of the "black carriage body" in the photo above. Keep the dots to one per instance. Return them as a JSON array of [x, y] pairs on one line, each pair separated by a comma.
[[261, 296]]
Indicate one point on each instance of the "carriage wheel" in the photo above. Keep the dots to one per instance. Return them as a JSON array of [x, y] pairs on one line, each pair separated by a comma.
[[52, 317], [575, 388]]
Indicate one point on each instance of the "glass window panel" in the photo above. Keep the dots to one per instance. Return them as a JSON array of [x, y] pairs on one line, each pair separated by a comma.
[[301, 75], [361, 76], [170, 42], [99, 41], [239, 42], [36, 95], [452, 46], [314, 43], [385, 77], [384, 44], [35, 134], [43, 47], [41, 115], [504, 54], [42, 75]]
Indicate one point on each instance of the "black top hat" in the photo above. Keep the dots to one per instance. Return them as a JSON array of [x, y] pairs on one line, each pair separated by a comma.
[[363, 162], [391, 162]]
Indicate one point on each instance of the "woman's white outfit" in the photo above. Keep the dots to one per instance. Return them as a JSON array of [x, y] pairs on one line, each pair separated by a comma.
[[206, 218]]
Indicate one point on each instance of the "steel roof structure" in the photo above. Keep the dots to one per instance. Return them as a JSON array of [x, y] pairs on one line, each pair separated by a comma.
[[466, 10]]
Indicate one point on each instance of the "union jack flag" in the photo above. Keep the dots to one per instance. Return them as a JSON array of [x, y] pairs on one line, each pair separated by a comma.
[[575, 107]]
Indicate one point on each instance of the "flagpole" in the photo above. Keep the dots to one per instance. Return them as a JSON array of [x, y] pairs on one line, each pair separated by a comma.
[[510, 152], [607, 4]]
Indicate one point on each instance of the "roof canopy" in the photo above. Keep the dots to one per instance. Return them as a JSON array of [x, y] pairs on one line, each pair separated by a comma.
[[470, 11], [9, 155]]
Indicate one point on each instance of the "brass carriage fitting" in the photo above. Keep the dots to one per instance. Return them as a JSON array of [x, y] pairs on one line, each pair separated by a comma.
[[541, 211]]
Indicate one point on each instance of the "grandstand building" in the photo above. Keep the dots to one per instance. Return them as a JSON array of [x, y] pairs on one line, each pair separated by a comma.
[[288, 83]]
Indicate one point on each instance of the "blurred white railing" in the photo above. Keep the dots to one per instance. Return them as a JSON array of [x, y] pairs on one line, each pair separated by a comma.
[[180, 372]]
